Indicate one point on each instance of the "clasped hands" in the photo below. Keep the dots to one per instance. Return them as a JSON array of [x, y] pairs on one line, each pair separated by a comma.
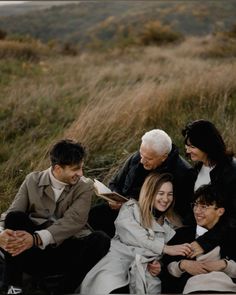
[[15, 242]]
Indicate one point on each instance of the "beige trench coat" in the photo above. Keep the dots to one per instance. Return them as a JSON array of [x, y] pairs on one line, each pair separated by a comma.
[[69, 214]]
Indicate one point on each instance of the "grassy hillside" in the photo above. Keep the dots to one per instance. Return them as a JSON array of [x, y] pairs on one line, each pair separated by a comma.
[[107, 100], [87, 22]]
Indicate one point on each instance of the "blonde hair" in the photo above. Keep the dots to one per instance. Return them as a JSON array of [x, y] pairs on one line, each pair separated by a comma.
[[148, 193]]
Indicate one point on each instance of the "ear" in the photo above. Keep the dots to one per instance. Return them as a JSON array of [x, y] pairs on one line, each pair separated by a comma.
[[56, 169], [164, 157], [221, 211]]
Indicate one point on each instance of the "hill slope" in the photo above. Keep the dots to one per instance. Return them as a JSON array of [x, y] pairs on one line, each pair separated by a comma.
[[103, 20]]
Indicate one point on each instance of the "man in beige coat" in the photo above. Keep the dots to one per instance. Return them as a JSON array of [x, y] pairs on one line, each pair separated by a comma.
[[45, 226]]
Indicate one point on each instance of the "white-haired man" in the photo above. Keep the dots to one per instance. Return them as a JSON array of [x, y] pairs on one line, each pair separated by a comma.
[[156, 154]]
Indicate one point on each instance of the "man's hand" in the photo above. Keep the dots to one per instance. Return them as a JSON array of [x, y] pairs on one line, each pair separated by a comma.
[[217, 265], [7, 237], [115, 205], [154, 268], [24, 241], [196, 250], [182, 249], [193, 267]]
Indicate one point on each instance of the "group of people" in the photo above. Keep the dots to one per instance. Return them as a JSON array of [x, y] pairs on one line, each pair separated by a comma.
[[175, 234]]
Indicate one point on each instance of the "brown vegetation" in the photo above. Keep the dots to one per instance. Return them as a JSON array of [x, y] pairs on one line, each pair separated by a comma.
[[108, 100]]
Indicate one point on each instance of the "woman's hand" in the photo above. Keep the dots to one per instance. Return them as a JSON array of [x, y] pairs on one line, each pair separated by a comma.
[[196, 250], [182, 249], [154, 268]]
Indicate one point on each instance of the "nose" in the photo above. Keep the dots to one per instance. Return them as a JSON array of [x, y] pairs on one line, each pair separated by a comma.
[[188, 149], [165, 197], [79, 172], [143, 161]]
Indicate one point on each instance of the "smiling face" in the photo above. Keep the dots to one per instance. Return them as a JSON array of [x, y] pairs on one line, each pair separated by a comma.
[[196, 154], [207, 215], [150, 159], [164, 197], [69, 174]]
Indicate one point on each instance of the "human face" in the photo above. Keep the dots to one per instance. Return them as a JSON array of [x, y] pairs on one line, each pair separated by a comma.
[[196, 154], [164, 197], [150, 159], [207, 215], [69, 174]]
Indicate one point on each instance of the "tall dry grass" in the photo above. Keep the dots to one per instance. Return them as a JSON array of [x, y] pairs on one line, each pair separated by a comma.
[[107, 101]]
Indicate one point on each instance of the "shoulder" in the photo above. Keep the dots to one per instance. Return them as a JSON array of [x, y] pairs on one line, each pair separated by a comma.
[[131, 204], [36, 176], [134, 158], [85, 183], [130, 207]]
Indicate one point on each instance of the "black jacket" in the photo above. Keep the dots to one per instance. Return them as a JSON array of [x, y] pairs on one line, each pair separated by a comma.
[[223, 177], [187, 235], [130, 177]]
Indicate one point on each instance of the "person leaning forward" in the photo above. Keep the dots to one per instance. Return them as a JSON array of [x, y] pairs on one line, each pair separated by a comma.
[[156, 154], [45, 226]]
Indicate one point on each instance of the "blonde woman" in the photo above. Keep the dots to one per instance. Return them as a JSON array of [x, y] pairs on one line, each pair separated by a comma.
[[142, 232]]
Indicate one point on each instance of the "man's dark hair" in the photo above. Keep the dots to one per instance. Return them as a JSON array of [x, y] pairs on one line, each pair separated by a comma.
[[67, 152], [209, 195]]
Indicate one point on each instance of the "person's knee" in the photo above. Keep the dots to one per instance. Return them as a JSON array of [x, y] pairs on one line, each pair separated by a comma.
[[18, 220], [14, 218]]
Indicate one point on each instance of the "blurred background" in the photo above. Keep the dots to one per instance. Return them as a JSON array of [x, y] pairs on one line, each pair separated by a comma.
[[105, 72]]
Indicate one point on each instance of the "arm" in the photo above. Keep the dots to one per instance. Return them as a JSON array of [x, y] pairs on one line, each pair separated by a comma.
[[75, 217], [132, 233], [20, 202], [212, 237]]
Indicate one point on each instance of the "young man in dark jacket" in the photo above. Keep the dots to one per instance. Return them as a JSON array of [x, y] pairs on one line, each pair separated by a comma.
[[213, 271]]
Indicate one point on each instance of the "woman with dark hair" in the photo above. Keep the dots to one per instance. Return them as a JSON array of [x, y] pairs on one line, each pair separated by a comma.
[[142, 232], [216, 165]]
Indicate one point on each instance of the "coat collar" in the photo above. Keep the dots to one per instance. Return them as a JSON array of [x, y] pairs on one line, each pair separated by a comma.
[[44, 181]]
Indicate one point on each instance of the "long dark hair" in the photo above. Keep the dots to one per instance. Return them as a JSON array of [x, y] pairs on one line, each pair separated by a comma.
[[205, 136]]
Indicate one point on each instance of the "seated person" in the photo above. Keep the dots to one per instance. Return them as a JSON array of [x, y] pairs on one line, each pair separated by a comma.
[[45, 226], [142, 232], [214, 271], [156, 154]]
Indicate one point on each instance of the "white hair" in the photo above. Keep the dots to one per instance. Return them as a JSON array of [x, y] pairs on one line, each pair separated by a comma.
[[158, 141]]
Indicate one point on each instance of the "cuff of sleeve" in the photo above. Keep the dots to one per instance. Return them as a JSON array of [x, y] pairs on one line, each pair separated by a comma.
[[230, 269], [46, 238], [174, 269]]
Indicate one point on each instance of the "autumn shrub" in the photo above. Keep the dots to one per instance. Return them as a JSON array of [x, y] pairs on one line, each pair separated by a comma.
[[156, 33], [23, 51]]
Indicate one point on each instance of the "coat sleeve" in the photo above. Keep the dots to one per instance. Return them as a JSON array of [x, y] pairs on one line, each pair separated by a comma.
[[132, 233], [21, 200], [75, 217]]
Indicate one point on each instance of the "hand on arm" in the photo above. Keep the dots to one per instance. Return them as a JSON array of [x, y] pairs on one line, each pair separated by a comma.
[[196, 250], [218, 265], [182, 249], [192, 267]]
